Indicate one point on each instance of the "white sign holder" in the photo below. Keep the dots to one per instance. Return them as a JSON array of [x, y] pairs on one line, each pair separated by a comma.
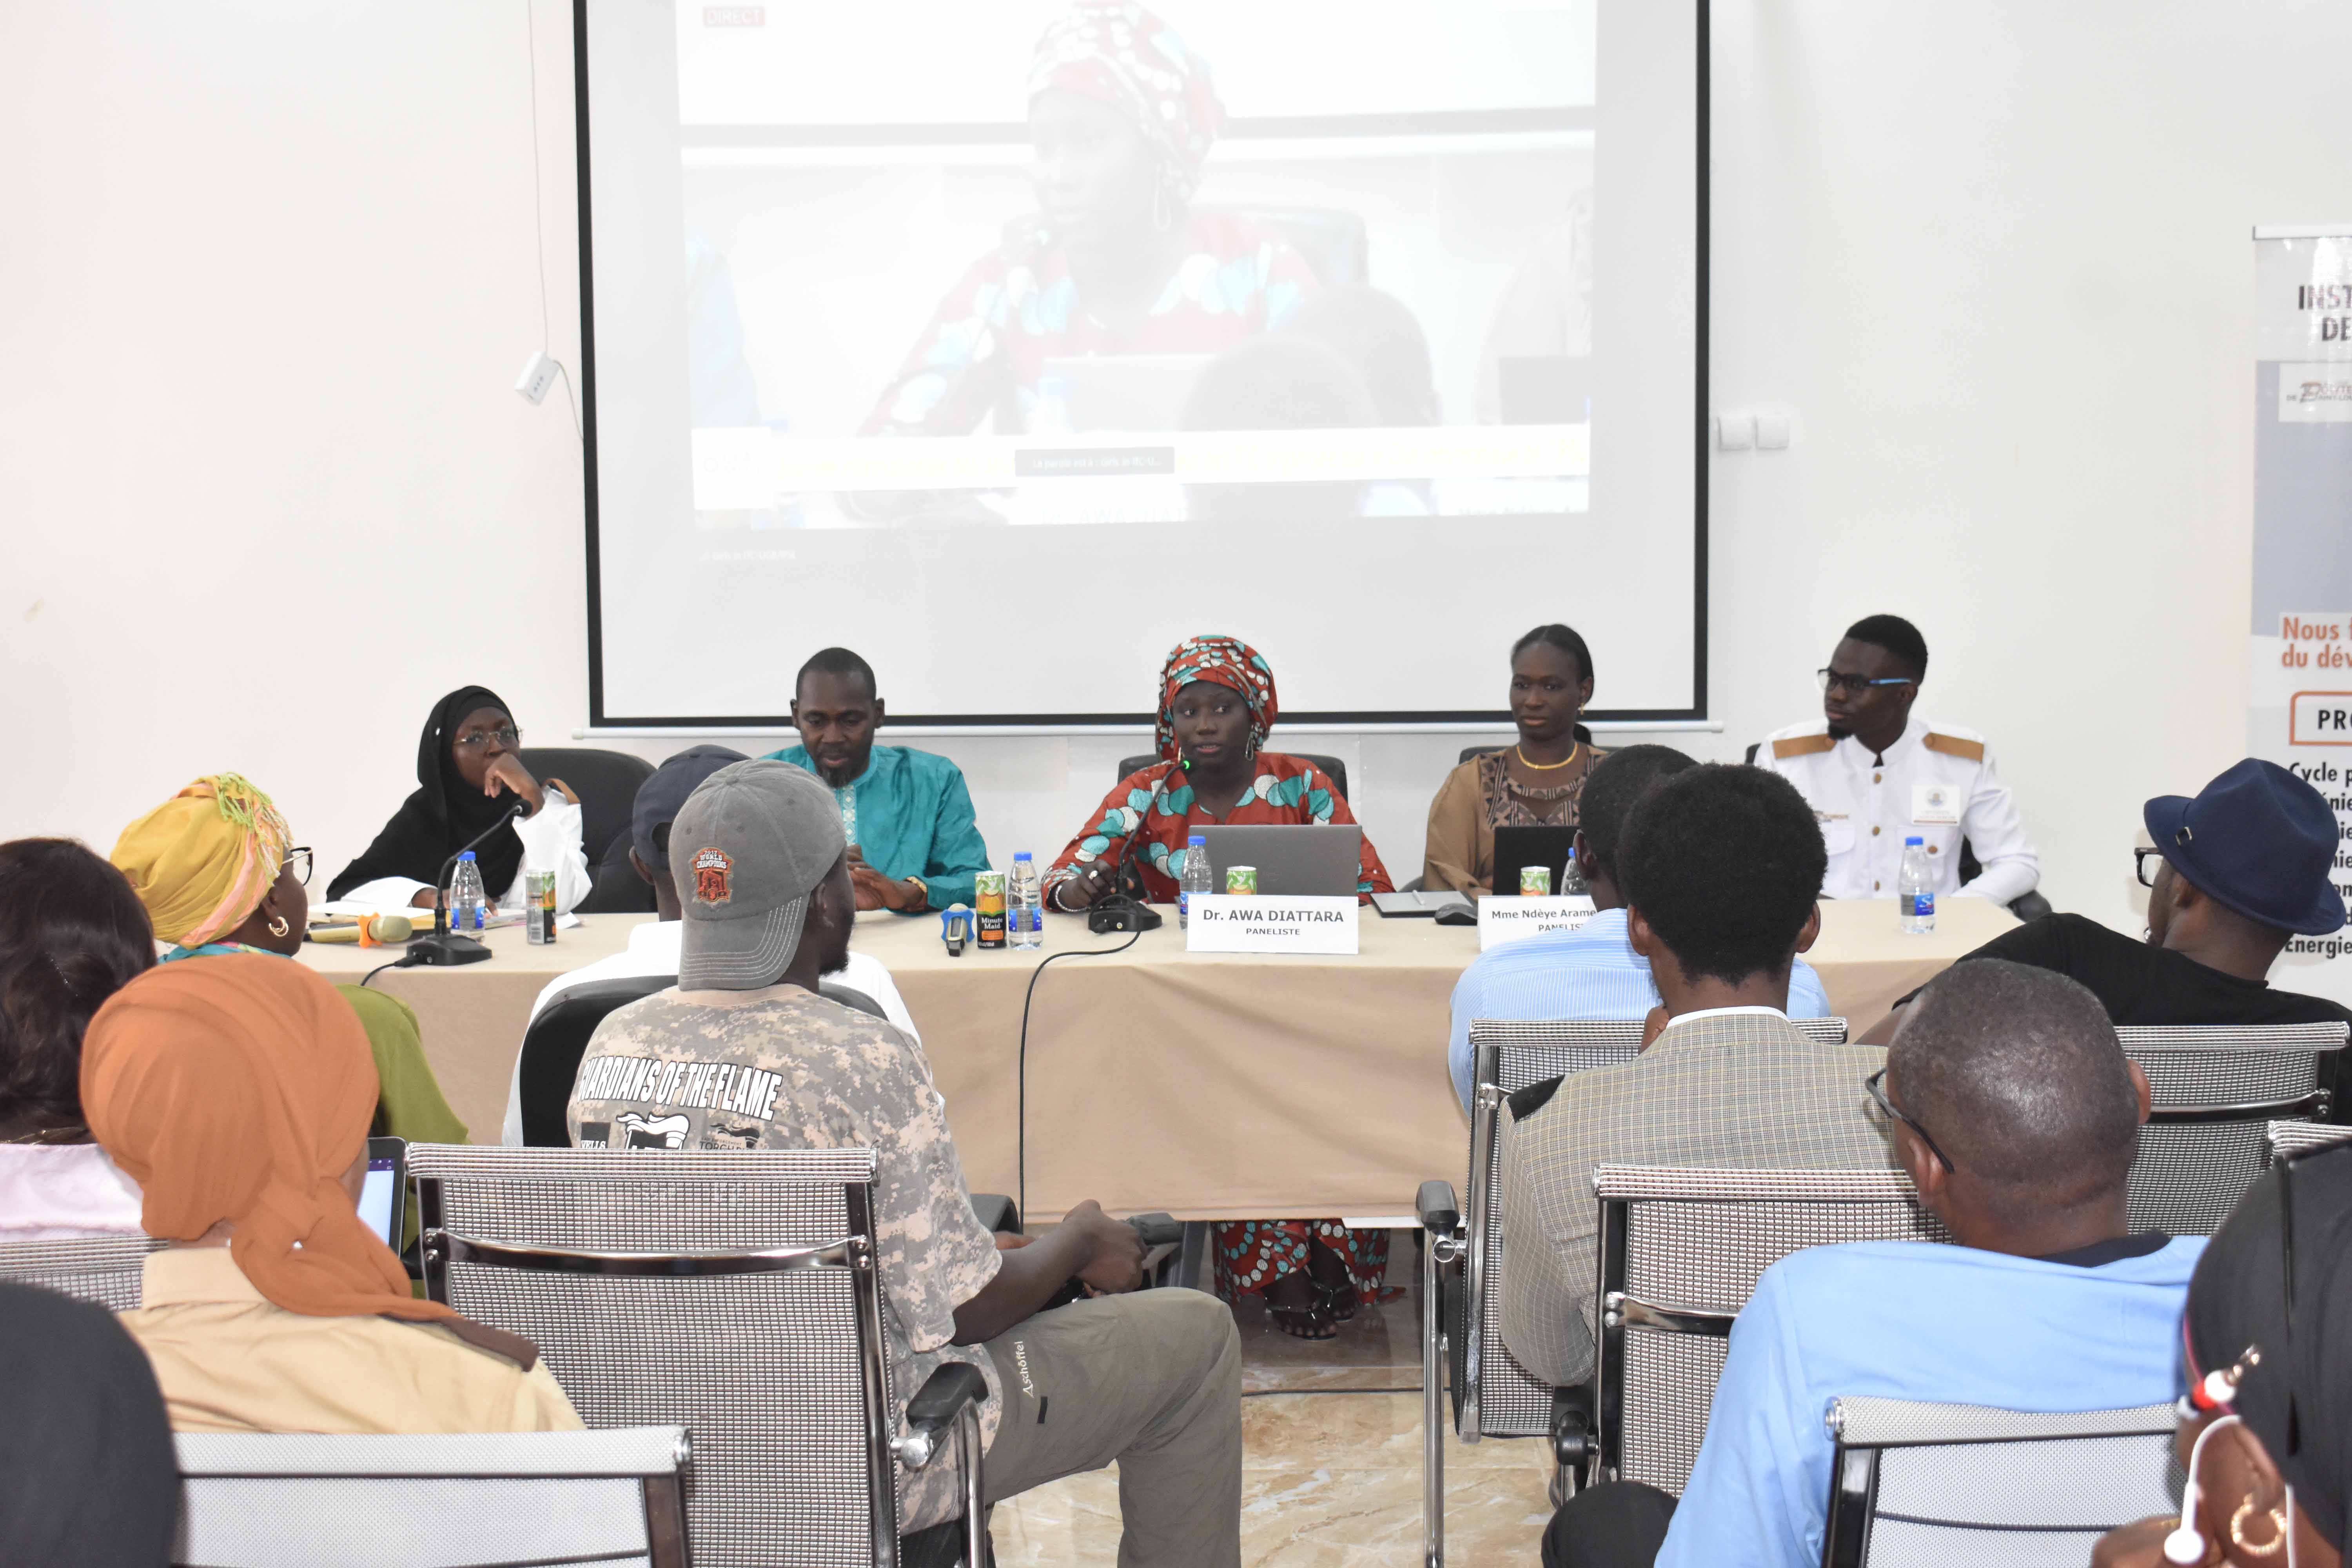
[[1265, 923], [1502, 918]]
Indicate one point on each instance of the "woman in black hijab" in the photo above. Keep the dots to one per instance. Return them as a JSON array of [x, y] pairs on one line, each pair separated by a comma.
[[86, 1471], [469, 773], [2267, 1436]]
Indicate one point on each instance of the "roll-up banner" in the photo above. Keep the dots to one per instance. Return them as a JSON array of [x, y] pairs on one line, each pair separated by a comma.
[[2300, 712]]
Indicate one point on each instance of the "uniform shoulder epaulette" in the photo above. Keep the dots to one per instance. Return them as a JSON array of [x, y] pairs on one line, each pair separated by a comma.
[[1802, 745], [1953, 746]]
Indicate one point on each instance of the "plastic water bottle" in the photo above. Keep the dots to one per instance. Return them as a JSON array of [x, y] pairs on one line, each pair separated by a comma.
[[1571, 879], [1023, 905], [1196, 877], [1914, 890], [467, 904]]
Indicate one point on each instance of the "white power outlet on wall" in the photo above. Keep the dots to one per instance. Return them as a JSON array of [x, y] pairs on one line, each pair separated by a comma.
[[536, 376]]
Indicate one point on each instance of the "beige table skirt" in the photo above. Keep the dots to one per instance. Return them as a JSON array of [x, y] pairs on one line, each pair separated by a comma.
[[1213, 1086]]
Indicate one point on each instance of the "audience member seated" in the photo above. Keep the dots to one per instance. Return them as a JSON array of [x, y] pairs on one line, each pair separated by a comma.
[[653, 947], [1728, 1082], [236, 1092], [470, 774], [1151, 1381], [1216, 703], [219, 872], [1592, 972], [88, 1477], [1876, 775], [2236, 873], [2270, 1381], [1538, 782], [2016, 1113], [71, 933], [913, 845]]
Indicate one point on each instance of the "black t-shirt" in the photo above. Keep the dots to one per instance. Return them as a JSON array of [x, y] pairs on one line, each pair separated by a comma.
[[2141, 984]]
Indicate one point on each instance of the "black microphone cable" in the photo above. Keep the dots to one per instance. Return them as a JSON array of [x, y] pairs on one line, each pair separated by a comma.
[[1021, 1112]]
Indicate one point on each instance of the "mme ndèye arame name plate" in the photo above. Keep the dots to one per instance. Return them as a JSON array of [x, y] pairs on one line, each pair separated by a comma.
[[1268, 922], [1501, 918]]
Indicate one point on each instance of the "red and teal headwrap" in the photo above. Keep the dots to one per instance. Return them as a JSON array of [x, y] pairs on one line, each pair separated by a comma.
[[1230, 662]]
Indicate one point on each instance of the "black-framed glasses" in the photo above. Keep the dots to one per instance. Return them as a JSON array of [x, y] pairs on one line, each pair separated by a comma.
[[1876, 1084], [297, 860], [1839, 681], [2146, 863], [475, 739]]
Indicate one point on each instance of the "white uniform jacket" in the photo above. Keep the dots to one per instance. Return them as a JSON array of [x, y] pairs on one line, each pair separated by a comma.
[[1937, 782]]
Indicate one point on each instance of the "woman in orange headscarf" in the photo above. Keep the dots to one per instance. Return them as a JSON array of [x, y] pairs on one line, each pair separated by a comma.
[[237, 1093]]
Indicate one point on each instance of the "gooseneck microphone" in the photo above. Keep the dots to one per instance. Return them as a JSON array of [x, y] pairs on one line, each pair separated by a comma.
[[446, 946]]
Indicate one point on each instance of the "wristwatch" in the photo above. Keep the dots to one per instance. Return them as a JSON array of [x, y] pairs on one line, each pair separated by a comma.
[[922, 889]]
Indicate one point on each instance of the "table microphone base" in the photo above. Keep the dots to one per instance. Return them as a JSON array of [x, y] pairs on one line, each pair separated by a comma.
[[437, 948]]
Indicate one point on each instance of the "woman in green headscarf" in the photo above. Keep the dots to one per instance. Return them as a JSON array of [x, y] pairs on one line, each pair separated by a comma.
[[217, 871]]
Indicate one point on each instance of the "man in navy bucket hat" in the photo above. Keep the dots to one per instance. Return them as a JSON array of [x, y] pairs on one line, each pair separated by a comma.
[[2238, 870]]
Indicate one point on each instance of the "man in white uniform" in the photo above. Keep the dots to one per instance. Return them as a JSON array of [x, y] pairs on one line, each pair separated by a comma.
[[654, 947], [1875, 775]]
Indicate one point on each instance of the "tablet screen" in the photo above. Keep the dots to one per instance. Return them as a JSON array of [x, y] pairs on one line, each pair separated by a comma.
[[375, 1199]]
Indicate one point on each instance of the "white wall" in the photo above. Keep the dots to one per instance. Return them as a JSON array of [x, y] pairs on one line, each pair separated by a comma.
[[268, 273]]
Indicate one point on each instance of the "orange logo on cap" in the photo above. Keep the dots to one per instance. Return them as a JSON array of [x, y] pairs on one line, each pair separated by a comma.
[[711, 870]]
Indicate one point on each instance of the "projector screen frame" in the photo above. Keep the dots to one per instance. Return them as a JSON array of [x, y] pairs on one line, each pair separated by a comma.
[[1371, 720]]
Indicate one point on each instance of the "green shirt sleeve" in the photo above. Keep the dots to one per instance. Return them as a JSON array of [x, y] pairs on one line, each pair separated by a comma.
[[409, 1103], [958, 852]]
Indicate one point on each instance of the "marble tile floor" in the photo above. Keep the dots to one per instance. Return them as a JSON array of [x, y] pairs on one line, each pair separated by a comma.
[[1330, 1462]]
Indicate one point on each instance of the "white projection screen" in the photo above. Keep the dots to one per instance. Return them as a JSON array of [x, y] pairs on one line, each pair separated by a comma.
[[1009, 342]]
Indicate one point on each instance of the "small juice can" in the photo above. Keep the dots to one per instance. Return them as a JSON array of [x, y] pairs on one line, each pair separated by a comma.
[[539, 907], [1241, 878], [988, 909], [1535, 881]]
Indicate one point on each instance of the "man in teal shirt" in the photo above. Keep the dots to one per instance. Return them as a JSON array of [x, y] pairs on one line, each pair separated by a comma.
[[913, 845]]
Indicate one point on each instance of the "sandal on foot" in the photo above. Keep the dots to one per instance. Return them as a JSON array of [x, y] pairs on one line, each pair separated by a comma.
[[1340, 1300], [1302, 1320]]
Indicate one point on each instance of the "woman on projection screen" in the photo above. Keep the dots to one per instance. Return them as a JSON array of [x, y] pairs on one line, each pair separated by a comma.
[[1115, 261]]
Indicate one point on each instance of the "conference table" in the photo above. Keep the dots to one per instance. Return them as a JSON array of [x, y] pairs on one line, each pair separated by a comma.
[[1210, 1085]]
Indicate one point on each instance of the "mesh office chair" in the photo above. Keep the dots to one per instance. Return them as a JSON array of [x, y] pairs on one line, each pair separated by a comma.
[[2288, 1139], [1918, 1483], [253, 1500], [735, 1294], [1681, 1250], [104, 1270], [1463, 1260], [606, 782], [1332, 767], [2215, 1091]]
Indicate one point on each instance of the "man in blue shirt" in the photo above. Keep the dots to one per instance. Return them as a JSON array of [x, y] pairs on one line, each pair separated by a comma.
[[2017, 1115], [1592, 972], [913, 845]]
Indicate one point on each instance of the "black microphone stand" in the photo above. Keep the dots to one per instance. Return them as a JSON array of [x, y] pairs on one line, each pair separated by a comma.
[[446, 946]]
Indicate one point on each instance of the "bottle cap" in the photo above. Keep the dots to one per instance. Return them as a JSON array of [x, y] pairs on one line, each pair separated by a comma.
[[1020, 856], [1911, 841], [1195, 839], [468, 855]]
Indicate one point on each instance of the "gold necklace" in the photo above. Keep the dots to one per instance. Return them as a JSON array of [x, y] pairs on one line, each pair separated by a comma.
[[1574, 752]]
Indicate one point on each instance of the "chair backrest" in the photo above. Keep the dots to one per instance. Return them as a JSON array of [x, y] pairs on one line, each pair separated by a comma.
[[1681, 1250], [2215, 1091], [1332, 767], [251, 1500], [1494, 1395], [606, 782], [1912, 1482], [734, 1294], [105, 1269], [850, 996], [557, 1039], [2287, 1139]]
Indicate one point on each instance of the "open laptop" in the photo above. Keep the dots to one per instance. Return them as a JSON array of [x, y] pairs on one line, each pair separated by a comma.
[[1517, 846], [383, 1200], [1295, 860]]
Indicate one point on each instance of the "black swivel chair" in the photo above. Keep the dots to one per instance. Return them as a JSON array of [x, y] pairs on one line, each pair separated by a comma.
[[606, 784], [1333, 768], [2027, 906]]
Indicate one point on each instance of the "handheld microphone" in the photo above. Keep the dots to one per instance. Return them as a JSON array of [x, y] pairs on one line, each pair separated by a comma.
[[955, 927], [446, 946]]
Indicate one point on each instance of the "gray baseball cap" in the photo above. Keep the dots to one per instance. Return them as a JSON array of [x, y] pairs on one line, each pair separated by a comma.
[[747, 848]]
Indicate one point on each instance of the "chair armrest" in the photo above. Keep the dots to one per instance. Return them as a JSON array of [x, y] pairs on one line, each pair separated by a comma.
[[1438, 1210], [1157, 1228], [945, 1396], [996, 1213]]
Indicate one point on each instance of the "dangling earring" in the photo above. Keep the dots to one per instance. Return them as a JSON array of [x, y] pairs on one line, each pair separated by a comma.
[[278, 926], [2238, 1530]]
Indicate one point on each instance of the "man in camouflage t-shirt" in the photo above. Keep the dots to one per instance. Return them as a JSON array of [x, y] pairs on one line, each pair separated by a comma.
[[745, 1054]]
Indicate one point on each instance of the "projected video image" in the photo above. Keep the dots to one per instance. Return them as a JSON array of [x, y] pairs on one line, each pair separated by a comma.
[[1027, 263]]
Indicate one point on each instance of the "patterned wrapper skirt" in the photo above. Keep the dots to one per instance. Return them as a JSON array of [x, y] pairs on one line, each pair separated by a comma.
[[1252, 1254]]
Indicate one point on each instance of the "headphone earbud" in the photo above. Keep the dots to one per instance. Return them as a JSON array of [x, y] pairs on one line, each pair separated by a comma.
[[2187, 1546]]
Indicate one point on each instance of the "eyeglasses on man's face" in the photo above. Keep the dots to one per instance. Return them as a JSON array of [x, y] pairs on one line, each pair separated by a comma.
[[297, 860], [1859, 685], [2148, 863], [1876, 1084], [475, 739]]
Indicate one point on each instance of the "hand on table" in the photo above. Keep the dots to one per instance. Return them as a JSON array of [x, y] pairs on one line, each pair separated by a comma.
[[1088, 884], [876, 892], [424, 898], [1114, 1258]]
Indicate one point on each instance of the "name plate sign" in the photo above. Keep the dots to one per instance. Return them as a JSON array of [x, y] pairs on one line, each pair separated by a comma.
[[1501, 918], [1268, 922]]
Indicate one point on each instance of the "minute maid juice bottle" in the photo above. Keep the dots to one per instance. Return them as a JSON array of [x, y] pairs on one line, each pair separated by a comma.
[[988, 909]]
